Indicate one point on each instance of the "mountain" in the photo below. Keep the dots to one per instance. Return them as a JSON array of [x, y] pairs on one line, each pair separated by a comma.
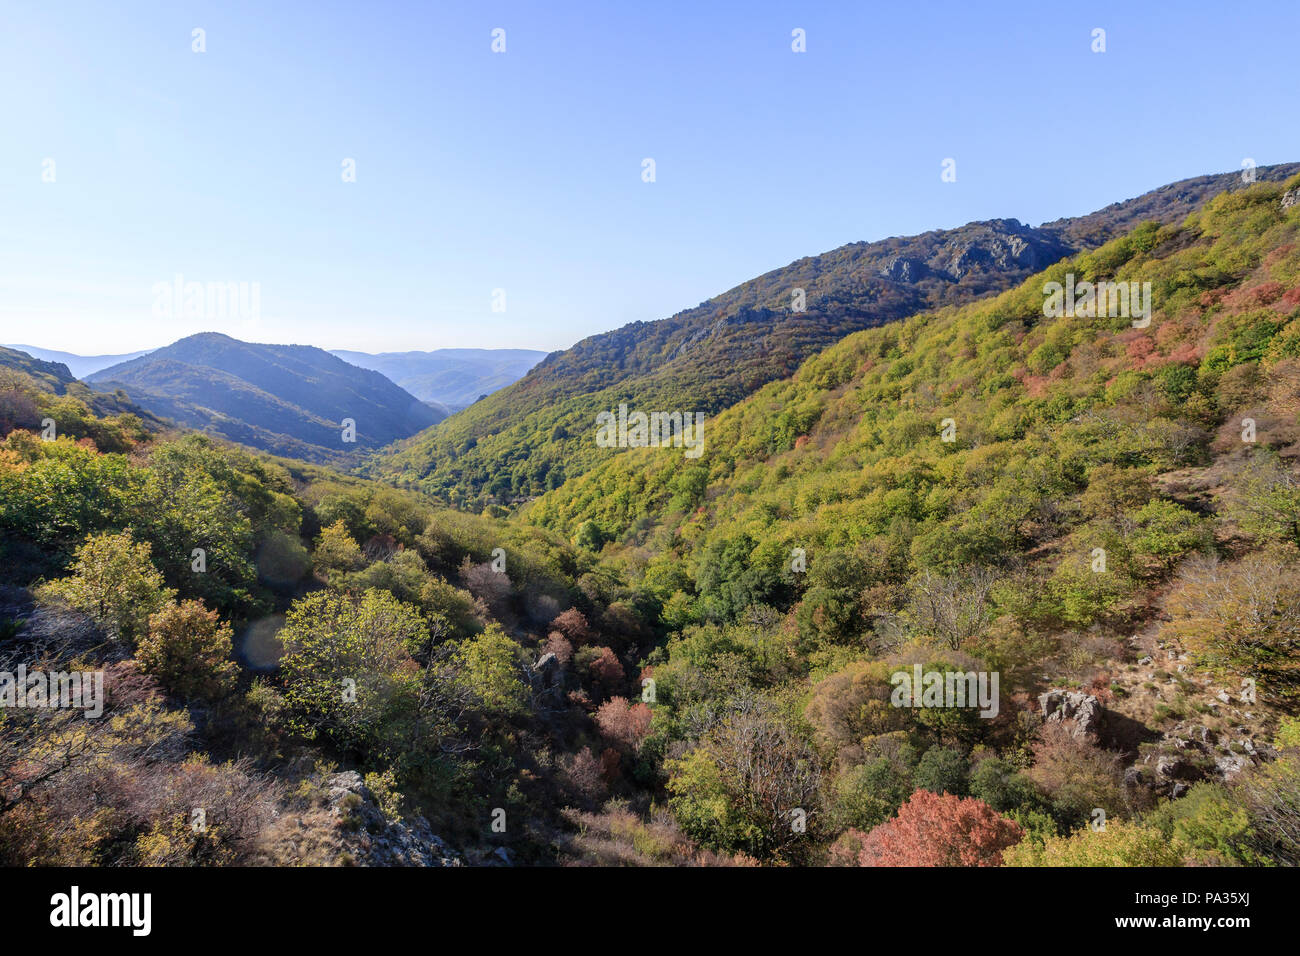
[[1101, 510], [454, 378], [849, 446], [1087, 521], [288, 399], [533, 435], [46, 380], [50, 376], [79, 365]]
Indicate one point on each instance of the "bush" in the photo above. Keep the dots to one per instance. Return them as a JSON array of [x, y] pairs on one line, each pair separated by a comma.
[[114, 583], [1119, 844], [188, 650]]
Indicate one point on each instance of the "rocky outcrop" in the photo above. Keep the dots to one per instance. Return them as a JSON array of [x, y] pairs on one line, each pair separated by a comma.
[[371, 839], [1084, 710], [1192, 752], [1290, 198]]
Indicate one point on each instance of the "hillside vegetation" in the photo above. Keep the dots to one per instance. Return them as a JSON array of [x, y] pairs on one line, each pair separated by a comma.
[[1117, 514], [676, 661], [534, 435]]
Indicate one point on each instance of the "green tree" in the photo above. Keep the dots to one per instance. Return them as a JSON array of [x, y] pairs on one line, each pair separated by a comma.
[[1119, 844], [492, 666], [115, 584], [347, 669]]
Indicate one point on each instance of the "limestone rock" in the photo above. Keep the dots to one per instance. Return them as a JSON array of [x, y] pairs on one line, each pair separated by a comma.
[[1084, 709]]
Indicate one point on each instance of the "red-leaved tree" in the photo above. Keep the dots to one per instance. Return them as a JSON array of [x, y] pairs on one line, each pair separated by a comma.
[[623, 723], [940, 830]]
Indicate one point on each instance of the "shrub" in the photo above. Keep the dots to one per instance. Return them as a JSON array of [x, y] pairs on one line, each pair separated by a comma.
[[188, 649], [1119, 844], [114, 583]]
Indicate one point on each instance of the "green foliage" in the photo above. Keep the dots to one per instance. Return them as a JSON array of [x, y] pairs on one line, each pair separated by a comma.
[[188, 649], [347, 670], [942, 770], [1119, 844], [492, 667], [1213, 827], [114, 583]]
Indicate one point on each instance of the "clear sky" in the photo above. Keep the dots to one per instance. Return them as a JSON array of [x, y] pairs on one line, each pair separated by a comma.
[[522, 170]]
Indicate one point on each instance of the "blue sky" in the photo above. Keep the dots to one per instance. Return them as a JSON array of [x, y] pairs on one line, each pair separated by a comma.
[[521, 171]]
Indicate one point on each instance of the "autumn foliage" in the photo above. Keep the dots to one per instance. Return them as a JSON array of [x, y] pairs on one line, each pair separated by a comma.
[[939, 830]]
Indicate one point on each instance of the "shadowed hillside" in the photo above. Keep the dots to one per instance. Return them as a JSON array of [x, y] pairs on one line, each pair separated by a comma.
[[290, 399]]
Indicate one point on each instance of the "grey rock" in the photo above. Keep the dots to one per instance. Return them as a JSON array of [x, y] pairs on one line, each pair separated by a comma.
[[1231, 764], [374, 840], [1084, 709]]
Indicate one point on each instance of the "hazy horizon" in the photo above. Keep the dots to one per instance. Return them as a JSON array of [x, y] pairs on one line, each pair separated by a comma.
[[138, 159]]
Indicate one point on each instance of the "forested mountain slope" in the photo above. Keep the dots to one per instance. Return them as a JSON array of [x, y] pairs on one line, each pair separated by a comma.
[[290, 399], [695, 654], [1103, 511], [33, 390], [533, 435]]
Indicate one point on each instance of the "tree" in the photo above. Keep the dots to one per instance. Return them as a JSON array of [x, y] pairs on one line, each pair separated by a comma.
[[940, 830], [853, 704], [115, 584], [942, 770], [953, 609], [870, 793], [1076, 775], [623, 723], [347, 668], [589, 536], [1265, 498], [492, 666], [1242, 618], [1118, 844], [1166, 532], [606, 670], [188, 649], [995, 782], [1270, 794], [336, 553], [1114, 494], [747, 785], [573, 625]]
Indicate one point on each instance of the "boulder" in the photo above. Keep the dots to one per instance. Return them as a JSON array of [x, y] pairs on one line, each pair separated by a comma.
[[1083, 709]]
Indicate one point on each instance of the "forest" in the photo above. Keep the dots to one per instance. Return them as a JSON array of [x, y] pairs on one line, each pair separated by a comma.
[[667, 660]]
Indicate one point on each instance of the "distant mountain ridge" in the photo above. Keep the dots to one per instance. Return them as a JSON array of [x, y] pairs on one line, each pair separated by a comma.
[[455, 378], [79, 365], [535, 434], [288, 399]]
